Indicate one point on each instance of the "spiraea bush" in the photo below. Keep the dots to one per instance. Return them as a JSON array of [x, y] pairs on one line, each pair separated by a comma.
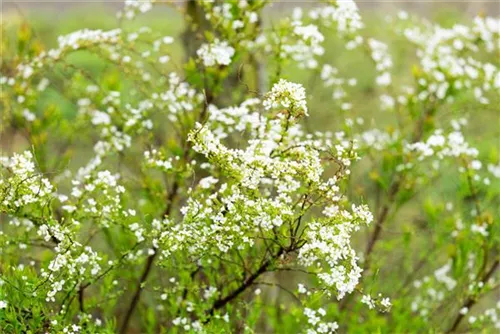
[[199, 193]]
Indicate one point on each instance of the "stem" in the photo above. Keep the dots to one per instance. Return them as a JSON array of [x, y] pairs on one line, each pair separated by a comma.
[[186, 290], [384, 212], [148, 267], [395, 187], [482, 275], [81, 299], [471, 301], [382, 217], [221, 302], [477, 206]]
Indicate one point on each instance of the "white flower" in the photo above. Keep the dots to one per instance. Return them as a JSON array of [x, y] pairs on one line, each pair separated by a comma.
[[69, 208], [384, 79], [480, 229], [210, 292], [386, 302], [208, 182], [237, 24], [164, 59], [217, 53], [383, 61], [28, 115], [441, 275], [476, 164], [3, 304], [402, 15], [168, 40], [100, 117], [387, 102], [289, 95], [366, 299], [495, 170], [252, 17], [309, 33], [27, 71]]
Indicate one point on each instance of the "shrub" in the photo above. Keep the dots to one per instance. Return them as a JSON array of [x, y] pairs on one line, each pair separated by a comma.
[[155, 194]]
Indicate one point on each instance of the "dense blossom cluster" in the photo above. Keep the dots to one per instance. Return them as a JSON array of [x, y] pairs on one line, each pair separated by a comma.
[[288, 95], [447, 59], [21, 184], [216, 53]]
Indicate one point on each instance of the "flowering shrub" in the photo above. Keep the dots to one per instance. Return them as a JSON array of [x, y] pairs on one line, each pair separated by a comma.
[[193, 195]]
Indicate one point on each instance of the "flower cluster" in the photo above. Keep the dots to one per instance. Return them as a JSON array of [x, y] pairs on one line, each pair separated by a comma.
[[21, 184], [155, 159], [446, 58], [134, 7], [234, 19], [344, 15], [317, 326], [178, 99], [383, 61], [307, 44], [434, 293], [216, 53], [288, 95]]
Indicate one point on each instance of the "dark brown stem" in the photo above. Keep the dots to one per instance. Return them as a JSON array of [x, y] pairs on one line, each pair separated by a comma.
[[394, 189], [409, 279], [392, 193], [375, 236], [250, 280], [81, 299], [149, 265], [186, 290], [382, 217], [137, 294], [192, 36], [471, 301]]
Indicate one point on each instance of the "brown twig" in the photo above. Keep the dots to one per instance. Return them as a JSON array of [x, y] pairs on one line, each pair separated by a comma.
[[149, 265], [382, 217], [250, 280], [471, 301], [81, 299], [395, 187]]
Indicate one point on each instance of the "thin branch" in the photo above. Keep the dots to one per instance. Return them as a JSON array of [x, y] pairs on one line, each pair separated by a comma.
[[471, 301], [149, 265], [290, 292], [221, 302], [81, 302], [380, 222]]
